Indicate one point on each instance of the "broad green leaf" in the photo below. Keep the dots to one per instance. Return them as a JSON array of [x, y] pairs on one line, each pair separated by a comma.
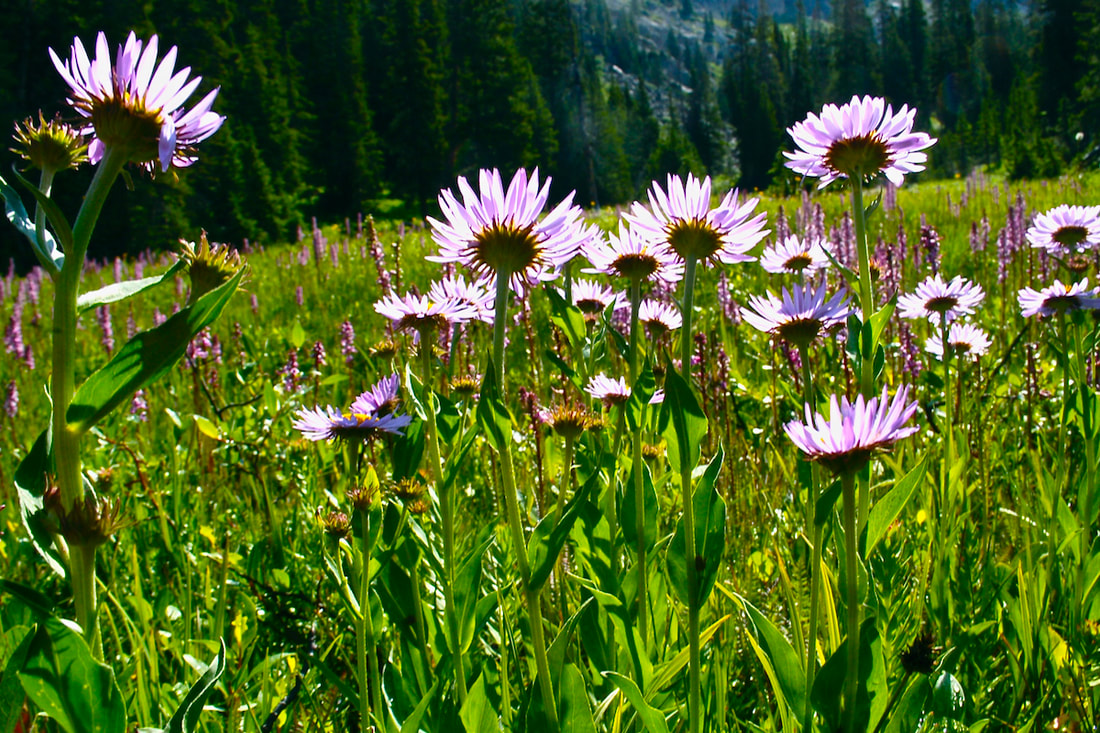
[[408, 451], [651, 718], [826, 502], [710, 538], [881, 317], [297, 335], [186, 717], [477, 714], [467, 588], [53, 213], [412, 723], [872, 692], [889, 507], [30, 485], [14, 646], [48, 254], [121, 291], [567, 317], [207, 427], [948, 698], [682, 421], [640, 395], [60, 676], [492, 415], [575, 714], [145, 357], [785, 661], [39, 604], [550, 534], [907, 714], [629, 518], [555, 655]]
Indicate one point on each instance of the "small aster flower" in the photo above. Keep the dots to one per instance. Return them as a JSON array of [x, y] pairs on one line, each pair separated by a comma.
[[1058, 298], [863, 137], [794, 255], [328, 423], [853, 432], [420, 312], [607, 390], [568, 421], [593, 298], [685, 222], [136, 104], [659, 318], [11, 399], [499, 232], [477, 294], [380, 399], [797, 316], [962, 338], [628, 254], [1066, 230], [935, 298]]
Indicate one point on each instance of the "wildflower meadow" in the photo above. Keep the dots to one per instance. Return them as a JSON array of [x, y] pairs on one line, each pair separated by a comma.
[[714, 461]]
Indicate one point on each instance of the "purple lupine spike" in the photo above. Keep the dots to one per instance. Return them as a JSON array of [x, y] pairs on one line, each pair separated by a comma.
[[334, 254], [139, 407], [34, 285], [117, 269], [725, 300], [255, 303], [292, 375], [107, 338], [359, 226], [200, 347], [11, 399], [782, 227], [158, 317], [379, 257], [889, 197], [131, 325], [910, 352], [889, 275], [1004, 255], [319, 357], [930, 246], [320, 244], [299, 296], [347, 342], [13, 333], [303, 256]]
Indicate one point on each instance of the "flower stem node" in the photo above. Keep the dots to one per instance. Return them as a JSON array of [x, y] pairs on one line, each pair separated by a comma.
[[90, 522]]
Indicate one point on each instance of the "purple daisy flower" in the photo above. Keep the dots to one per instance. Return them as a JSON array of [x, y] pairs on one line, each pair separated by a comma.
[[963, 338], [136, 105], [499, 232], [1058, 298], [684, 221], [632, 256], [799, 315], [1066, 230], [420, 312], [659, 317], [477, 294], [593, 298], [381, 399], [845, 441], [863, 137], [328, 423], [607, 390], [935, 298], [794, 255]]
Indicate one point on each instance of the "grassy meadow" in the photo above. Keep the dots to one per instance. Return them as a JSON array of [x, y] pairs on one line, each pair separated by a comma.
[[981, 595]]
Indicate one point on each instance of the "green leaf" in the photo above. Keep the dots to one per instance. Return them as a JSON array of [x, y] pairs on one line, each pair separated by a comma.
[[628, 516], [888, 508], [145, 357], [206, 427], [550, 534], [906, 716], [408, 451], [121, 291], [40, 605], [651, 718], [60, 676], [566, 317], [644, 387], [948, 698], [412, 723], [826, 502], [186, 717], [467, 589], [18, 640], [710, 538], [575, 714], [297, 335], [556, 654], [477, 714], [872, 691], [682, 421], [785, 661], [48, 254], [30, 485], [492, 415]]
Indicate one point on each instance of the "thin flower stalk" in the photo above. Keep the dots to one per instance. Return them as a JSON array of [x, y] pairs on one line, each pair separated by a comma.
[[370, 676], [1086, 495]]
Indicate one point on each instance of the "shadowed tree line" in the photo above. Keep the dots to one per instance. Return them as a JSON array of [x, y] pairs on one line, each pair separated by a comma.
[[338, 106]]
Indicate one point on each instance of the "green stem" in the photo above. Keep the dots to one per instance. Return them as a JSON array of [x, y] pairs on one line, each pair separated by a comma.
[[851, 674], [815, 562], [948, 417], [82, 569], [694, 692], [370, 678], [636, 466], [515, 524], [1086, 496], [867, 307], [447, 501]]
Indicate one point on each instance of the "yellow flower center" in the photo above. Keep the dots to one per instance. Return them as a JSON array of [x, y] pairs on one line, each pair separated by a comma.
[[695, 238], [502, 247], [864, 156]]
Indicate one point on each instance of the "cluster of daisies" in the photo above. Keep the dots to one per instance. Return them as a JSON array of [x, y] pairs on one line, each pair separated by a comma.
[[1066, 233]]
